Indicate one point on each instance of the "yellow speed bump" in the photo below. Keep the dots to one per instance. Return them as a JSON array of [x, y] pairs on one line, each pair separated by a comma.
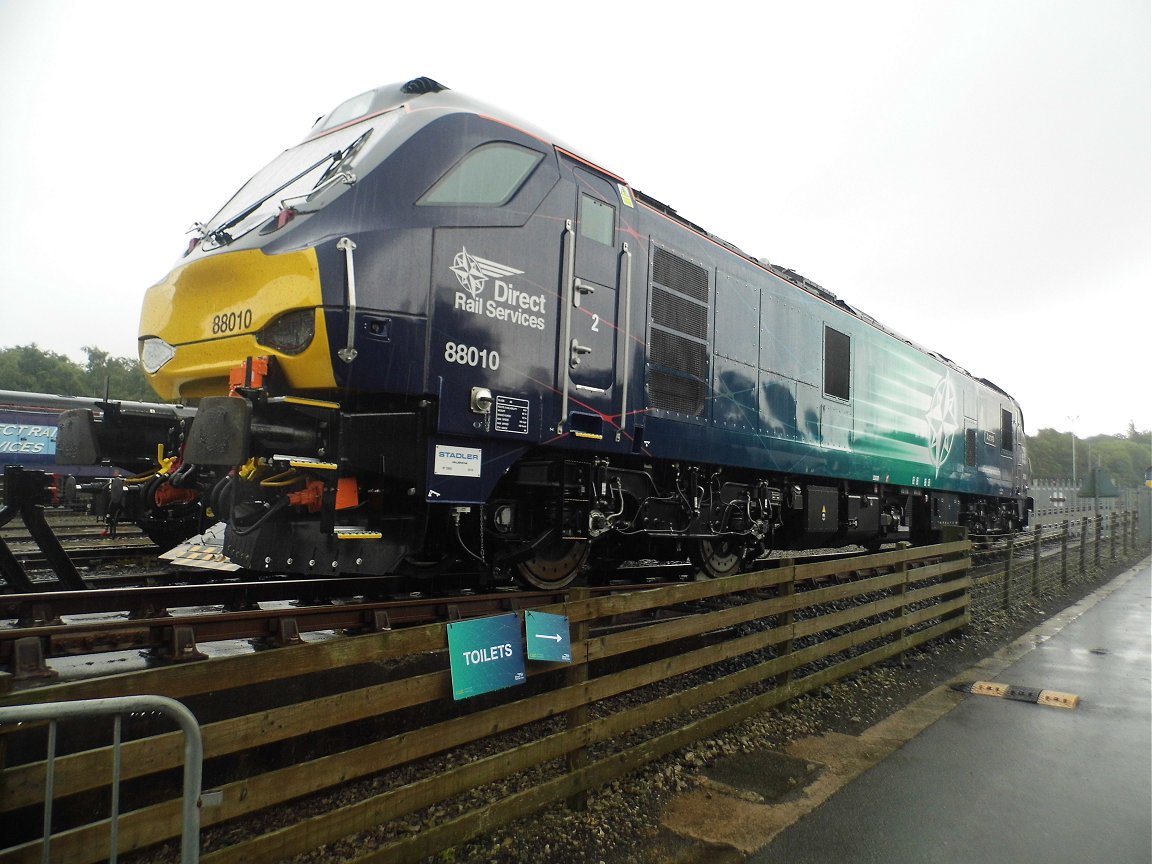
[[1053, 698]]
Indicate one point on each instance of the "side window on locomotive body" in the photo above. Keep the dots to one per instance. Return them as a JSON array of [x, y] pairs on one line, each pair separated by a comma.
[[597, 220], [1006, 435], [488, 176], [837, 364]]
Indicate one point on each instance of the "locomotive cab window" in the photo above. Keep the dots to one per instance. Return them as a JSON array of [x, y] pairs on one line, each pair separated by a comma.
[[487, 177], [1005, 430], [597, 220], [837, 364]]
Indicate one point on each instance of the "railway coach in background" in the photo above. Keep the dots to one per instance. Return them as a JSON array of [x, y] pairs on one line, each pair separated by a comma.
[[27, 434], [431, 339], [28, 440]]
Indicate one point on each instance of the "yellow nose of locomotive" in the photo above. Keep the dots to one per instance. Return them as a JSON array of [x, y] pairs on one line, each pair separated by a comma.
[[209, 315]]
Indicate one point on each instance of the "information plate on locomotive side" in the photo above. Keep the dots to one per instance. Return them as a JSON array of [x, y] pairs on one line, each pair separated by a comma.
[[486, 654], [455, 461], [512, 415], [548, 637]]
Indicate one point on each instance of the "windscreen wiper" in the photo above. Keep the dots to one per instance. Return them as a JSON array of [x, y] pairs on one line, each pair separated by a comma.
[[221, 235]]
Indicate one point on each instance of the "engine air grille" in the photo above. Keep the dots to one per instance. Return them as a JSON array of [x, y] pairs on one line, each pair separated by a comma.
[[672, 393], [679, 354], [678, 336], [678, 313], [680, 274]]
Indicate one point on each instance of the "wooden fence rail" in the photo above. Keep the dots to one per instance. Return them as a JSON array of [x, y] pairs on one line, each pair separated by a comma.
[[1046, 559], [651, 672]]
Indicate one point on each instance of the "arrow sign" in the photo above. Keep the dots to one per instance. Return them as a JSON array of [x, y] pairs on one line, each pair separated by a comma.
[[548, 637]]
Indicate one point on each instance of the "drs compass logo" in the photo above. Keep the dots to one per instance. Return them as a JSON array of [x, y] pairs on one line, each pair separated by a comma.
[[474, 272], [506, 303], [942, 423]]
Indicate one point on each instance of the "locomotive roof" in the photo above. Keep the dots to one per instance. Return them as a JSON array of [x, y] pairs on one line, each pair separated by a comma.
[[806, 284], [433, 94]]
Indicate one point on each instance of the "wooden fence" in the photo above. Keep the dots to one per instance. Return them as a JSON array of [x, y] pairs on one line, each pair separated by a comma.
[[1046, 560], [367, 726]]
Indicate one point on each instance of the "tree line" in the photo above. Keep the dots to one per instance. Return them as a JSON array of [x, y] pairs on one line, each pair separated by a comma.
[[1124, 458], [32, 369]]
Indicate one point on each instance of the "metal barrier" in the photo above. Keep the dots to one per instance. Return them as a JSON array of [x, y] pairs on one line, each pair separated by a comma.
[[117, 707]]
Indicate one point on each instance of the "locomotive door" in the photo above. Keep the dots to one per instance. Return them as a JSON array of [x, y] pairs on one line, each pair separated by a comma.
[[596, 264]]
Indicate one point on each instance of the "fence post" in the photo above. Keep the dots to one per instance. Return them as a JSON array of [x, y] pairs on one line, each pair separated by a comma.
[[1008, 573], [577, 673], [785, 620], [1099, 520], [1112, 533], [901, 590], [1064, 553], [957, 533], [1036, 563], [1083, 545]]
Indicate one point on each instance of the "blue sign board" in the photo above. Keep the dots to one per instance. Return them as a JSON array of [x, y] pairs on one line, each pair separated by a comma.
[[27, 439], [548, 637], [486, 654]]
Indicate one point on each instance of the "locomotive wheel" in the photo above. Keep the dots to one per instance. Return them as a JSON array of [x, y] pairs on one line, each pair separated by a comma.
[[720, 556], [555, 565]]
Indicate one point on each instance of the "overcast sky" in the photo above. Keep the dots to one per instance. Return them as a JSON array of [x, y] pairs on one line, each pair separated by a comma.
[[977, 174]]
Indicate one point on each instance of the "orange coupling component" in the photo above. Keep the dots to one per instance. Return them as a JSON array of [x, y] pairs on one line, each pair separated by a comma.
[[251, 373], [166, 495], [347, 493], [312, 495]]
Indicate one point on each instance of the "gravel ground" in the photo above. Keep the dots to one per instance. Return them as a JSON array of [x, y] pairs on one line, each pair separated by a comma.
[[621, 824]]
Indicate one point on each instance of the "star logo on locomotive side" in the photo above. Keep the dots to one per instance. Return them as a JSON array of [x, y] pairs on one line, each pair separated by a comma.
[[473, 272], [506, 303], [942, 423]]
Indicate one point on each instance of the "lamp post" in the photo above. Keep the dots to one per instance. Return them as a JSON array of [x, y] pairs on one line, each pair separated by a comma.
[[1072, 421]]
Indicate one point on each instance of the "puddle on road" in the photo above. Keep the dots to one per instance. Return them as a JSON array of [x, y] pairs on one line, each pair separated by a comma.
[[767, 774]]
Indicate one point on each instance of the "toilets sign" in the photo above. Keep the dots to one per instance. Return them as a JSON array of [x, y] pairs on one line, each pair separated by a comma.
[[486, 654]]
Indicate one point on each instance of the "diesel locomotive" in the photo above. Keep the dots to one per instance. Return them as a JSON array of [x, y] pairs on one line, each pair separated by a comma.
[[430, 339]]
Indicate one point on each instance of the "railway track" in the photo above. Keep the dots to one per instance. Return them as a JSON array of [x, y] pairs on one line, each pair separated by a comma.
[[167, 614], [170, 622], [82, 538]]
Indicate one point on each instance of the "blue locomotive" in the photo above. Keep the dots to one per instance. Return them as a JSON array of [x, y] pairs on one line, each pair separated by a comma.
[[430, 339]]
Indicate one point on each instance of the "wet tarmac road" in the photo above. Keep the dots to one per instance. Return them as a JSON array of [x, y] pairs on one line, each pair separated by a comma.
[[995, 780]]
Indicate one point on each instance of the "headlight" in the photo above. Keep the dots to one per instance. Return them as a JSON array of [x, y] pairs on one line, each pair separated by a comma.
[[291, 333], [154, 353]]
